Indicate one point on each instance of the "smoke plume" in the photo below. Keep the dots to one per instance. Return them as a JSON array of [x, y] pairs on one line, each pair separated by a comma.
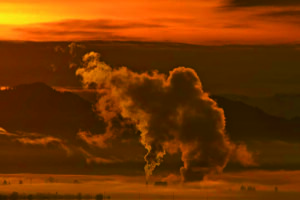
[[172, 113]]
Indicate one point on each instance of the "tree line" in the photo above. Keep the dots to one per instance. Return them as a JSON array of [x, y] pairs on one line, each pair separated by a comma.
[[49, 196]]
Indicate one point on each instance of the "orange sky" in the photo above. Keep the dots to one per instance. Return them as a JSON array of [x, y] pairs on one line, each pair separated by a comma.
[[197, 22]]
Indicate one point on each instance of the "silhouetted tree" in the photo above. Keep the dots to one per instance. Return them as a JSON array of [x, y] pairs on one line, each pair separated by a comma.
[[251, 188], [30, 197], [4, 182], [99, 197], [276, 189], [79, 196], [14, 196], [51, 179], [243, 188], [20, 182], [3, 197]]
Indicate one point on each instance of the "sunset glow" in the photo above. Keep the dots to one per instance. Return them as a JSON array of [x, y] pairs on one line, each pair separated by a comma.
[[196, 22]]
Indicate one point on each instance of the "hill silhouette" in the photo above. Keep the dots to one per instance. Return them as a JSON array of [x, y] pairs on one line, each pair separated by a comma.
[[245, 122], [281, 105], [39, 108]]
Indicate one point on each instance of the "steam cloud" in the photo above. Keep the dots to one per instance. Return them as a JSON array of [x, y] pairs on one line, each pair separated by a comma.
[[172, 113]]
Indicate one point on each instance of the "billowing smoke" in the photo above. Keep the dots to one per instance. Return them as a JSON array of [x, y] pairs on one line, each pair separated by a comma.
[[172, 113]]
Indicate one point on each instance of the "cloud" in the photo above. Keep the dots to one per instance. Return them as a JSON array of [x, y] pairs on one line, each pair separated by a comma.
[[5, 133], [289, 15], [44, 141], [96, 159], [95, 140], [59, 49], [3, 88], [117, 128], [52, 34], [40, 141], [75, 29], [73, 48], [36, 139], [166, 110], [252, 3], [70, 52], [100, 24], [171, 178], [242, 156]]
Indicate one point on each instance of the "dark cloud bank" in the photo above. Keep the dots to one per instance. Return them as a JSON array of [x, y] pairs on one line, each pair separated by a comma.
[[251, 3]]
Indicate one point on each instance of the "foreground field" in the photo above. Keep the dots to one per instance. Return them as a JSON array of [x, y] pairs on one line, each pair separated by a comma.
[[130, 188]]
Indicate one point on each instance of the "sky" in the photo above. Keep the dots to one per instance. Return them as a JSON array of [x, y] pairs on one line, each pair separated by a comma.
[[119, 95], [196, 22]]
